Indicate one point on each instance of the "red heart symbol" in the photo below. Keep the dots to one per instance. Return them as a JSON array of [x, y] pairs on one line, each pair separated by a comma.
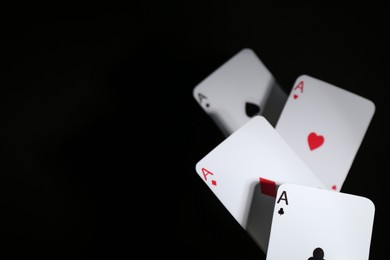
[[315, 140], [295, 96]]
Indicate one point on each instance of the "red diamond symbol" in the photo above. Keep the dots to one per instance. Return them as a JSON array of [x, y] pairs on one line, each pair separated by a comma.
[[213, 182]]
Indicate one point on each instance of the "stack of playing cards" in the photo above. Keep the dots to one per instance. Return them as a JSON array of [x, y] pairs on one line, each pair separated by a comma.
[[284, 160]]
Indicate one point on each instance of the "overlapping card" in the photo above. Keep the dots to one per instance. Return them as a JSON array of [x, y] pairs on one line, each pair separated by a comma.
[[325, 126], [233, 169], [318, 224], [239, 89]]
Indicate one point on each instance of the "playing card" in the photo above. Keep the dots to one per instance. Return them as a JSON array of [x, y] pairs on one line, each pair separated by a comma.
[[325, 126], [247, 167], [239, 89], [317, 224]]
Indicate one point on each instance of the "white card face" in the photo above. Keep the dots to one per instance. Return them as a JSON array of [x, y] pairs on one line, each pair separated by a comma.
[[325, 126], [237, 90], [317, 224], [233, 169]]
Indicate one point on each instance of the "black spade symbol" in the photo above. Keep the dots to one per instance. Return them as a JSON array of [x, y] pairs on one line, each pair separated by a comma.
[[251, 109], [281, 211], [318, 254]]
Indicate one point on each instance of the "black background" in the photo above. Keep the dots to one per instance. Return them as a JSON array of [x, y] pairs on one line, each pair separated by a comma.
[[100, 133]]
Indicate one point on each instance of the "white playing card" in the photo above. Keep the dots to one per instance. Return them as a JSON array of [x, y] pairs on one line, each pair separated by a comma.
[[233, 169], [325, 126], [237, 90], [317, 224]]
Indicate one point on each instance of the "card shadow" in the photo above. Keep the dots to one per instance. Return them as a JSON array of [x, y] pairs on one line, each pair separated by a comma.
[[274, 103], [259, 219]]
